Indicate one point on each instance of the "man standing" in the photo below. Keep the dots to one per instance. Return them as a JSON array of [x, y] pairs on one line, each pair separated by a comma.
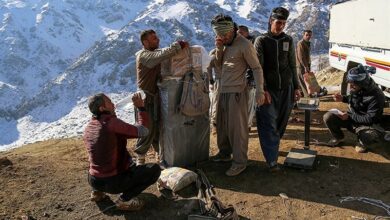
[[111, 168], [148, 61], [215, 86], [244, 31], [366, 103], [303, 57], [275, 51], [234, 54]]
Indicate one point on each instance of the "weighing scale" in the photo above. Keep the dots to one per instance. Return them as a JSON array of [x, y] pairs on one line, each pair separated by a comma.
[[304, 158]]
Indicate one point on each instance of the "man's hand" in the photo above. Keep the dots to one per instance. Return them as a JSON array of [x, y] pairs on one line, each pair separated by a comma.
[[260, 100], [297, 94], [137, 100], [267, 98], [183, 44], [338, 97], [343, 116]]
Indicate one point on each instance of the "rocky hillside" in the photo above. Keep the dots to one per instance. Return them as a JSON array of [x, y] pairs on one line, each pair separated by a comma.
[[54, 54]]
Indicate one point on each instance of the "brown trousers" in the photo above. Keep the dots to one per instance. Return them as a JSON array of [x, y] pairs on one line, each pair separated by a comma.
[[232, 126]]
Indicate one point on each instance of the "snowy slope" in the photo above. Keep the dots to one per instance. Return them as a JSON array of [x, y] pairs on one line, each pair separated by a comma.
[[61, 52]]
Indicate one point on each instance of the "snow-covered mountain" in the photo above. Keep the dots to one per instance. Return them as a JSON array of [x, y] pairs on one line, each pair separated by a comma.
[[56, 53]]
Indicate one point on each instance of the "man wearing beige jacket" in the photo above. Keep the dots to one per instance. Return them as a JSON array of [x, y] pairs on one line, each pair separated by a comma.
[[234, 54], [303, 57]]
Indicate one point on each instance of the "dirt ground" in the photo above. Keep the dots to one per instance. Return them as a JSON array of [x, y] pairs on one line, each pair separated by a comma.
[[48, 180]]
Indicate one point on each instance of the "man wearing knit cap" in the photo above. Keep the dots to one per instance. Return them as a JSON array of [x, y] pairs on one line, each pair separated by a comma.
[[276, 54], [366, 103], [234, 55]]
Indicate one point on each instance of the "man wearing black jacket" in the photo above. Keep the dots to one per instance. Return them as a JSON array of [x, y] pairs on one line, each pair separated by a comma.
[[276, 54], [366, 103]]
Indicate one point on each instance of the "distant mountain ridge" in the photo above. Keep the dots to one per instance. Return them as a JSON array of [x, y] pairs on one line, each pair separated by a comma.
[[54, 54]]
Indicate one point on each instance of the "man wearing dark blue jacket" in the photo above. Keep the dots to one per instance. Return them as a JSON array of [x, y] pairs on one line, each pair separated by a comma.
[[276, 54], [366, 103]]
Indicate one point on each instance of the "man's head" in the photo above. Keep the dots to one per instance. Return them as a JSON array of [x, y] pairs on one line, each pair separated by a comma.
[[150, 40], [243, 30], [223, 27], [278, 20], [99, 104], [307, 34], [359, 78]]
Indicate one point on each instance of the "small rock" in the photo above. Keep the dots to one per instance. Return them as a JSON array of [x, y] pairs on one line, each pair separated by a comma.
[[58, 206], [45, 214], [69, 209], [283, 195], [5, 162]]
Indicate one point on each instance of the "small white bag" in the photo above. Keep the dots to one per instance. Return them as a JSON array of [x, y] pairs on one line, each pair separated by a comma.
[[175, 178]]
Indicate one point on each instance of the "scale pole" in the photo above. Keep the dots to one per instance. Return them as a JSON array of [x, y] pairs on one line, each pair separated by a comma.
[[307, 129]]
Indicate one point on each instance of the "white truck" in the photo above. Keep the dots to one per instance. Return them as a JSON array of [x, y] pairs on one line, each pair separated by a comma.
[[360, 34]]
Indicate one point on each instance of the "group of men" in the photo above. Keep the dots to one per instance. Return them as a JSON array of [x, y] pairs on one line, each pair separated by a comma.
[[264, 68]]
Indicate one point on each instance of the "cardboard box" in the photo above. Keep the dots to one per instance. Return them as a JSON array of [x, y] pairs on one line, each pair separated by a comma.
[[181, 63]]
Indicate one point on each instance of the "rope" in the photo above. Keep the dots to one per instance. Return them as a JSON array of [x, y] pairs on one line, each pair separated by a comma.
[[374, 202]]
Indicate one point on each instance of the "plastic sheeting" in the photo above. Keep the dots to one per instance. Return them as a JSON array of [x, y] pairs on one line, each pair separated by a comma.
[[184, 140]]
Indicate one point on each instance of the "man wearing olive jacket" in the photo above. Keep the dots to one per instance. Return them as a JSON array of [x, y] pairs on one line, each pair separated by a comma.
[[148, 61], [276, 54]]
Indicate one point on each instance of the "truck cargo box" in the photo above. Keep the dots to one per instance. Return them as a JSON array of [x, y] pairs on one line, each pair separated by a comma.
[[363, 23]]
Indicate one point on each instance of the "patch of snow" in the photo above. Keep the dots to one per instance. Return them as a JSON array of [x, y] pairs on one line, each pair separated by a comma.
[[175, 11]]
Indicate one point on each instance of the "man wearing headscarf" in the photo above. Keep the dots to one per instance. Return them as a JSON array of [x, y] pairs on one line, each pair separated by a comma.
[[366, 103], [234, 55], [276, 54]]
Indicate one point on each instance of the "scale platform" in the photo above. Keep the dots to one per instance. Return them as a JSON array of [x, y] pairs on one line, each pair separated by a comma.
[[300, 158], [304, 158]]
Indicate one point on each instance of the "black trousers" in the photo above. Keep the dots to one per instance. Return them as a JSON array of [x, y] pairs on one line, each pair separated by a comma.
[[366, 135], [130, 183]]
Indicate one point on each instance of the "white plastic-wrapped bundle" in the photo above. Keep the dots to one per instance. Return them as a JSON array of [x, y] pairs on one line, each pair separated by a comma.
[[184, 140]]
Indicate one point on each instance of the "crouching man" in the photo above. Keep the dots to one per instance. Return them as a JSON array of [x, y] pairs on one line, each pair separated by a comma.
[[111, 168], [366, 103]]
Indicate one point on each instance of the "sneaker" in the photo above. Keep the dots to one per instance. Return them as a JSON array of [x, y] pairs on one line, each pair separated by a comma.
[[235, 170], [334, 142], [221, 158], [97, 196], [140, 159], [274, 167], [360, 149], [134, 204]]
